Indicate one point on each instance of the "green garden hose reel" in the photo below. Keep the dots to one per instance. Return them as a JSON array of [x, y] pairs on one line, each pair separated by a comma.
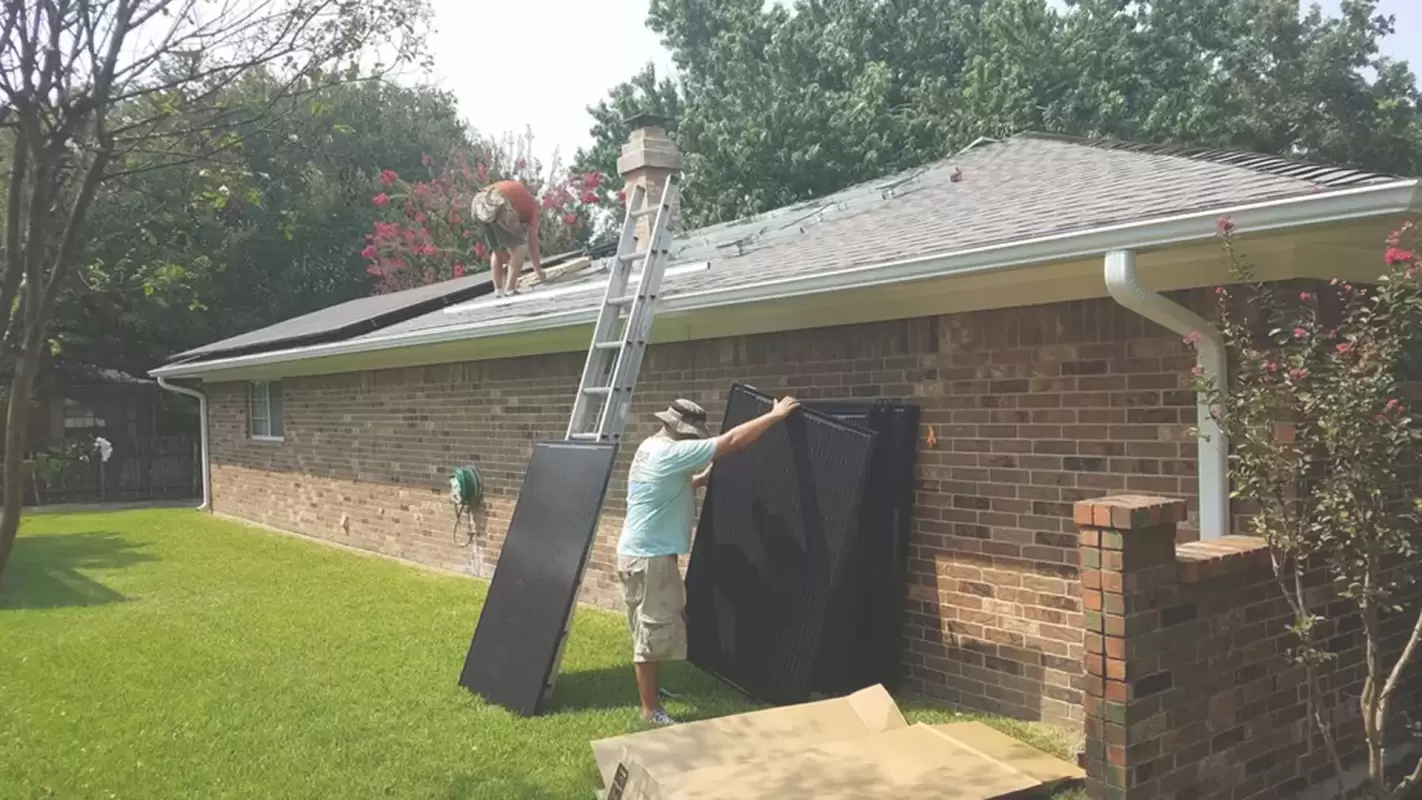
[[466, 492]]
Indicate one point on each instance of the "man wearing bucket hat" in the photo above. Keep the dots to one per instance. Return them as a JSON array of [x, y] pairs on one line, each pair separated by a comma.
[[661, 503], [507, 217]]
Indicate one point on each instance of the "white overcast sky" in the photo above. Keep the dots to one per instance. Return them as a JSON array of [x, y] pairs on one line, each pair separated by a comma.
[[540, 63]]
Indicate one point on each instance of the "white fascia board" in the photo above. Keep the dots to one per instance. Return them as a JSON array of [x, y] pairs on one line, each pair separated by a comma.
[[1395, 197]]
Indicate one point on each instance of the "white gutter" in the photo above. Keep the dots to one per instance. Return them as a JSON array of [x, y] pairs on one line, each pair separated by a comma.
[[1292, 212], [202, 437], [1124, 285]]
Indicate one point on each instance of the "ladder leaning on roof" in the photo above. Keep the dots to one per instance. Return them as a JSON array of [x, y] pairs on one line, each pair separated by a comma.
[[618, 344], [624, 324]]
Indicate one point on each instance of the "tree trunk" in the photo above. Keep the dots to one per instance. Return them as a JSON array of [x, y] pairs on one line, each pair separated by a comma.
[[16, 424]]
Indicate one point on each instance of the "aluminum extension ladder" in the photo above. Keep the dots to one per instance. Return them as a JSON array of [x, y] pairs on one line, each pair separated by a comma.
[[619, 343]]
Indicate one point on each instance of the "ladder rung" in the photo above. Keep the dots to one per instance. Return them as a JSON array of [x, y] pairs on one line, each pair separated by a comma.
[[585, 437], [608, 345], [632, 256], [598, 391], [646, 211], [624, 300]]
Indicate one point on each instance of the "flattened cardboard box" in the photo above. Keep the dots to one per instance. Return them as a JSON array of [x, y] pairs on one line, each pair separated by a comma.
[[767, 733], [1020, 756], [913, 763]]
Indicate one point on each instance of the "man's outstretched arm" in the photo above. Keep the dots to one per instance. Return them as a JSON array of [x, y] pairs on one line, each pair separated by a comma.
[[741, 436]]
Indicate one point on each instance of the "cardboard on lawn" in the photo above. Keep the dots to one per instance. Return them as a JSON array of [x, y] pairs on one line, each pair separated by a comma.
[[1022, 757], [767, 733], [912, 763]]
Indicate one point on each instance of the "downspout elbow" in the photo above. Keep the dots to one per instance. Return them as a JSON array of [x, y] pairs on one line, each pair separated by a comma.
[[1123, 283], [202, 437]]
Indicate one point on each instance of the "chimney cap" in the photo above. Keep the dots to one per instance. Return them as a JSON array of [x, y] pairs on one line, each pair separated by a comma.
[[645, 119]]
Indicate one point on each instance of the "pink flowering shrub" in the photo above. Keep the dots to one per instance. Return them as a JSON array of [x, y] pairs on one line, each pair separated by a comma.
[[426, 234], [1324, 449]]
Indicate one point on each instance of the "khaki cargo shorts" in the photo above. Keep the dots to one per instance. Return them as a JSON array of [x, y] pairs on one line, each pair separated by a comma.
[[656, 607]]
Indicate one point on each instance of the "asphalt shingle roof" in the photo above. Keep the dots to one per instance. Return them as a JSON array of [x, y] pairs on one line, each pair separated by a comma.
[[995, 192], [1024, 187]]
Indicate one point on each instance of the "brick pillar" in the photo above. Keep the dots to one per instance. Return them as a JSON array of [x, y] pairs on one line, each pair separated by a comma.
[[649, 158], [1127, 559]]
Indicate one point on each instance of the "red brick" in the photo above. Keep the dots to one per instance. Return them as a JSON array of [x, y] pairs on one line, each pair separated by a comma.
[[376, 449]]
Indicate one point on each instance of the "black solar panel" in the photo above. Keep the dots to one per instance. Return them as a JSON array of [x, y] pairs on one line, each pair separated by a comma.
[[873, 586], [779, 525], [535, 586]]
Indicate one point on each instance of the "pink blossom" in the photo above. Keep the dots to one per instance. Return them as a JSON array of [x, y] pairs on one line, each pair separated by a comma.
[[1300, 333], [1392, 404], [481, 250], [622, 197], [1271, 366], [1345, 348], [425, 159], [1219, 290], [1305, 296], [1347, 287], [389, 177], [1331, 335], [1396, 255], [368, 252], [458, 271], [1193, 338], [589, 197], [1225, 226], [1298, 373], [593, 179], [382, 200], [570, 220], [520, 163], [1197, 370]]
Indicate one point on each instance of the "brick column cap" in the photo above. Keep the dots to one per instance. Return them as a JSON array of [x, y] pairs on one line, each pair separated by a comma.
[[1127, 512]]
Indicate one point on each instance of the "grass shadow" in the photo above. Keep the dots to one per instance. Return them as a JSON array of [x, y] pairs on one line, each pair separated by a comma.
[[49, 571], [695, 694]]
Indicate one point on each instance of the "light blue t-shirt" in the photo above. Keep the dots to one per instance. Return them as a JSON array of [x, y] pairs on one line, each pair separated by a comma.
[[661, 501]]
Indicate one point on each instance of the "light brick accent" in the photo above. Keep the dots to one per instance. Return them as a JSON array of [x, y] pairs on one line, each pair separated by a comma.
[[1030, 410]]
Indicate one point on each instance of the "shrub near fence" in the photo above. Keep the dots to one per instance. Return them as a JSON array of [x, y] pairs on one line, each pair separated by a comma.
[[160, 468]]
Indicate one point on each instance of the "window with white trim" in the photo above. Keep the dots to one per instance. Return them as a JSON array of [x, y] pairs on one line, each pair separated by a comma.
[[264, 412]]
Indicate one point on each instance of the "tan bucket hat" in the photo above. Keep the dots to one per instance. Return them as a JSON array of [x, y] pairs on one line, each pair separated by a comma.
[[686, 418]]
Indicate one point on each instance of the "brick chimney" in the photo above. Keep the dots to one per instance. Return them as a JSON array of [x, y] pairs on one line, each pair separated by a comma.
[[648, 159]]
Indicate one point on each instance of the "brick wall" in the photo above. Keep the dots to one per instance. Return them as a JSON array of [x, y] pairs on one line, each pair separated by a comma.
[[1190, 692], [1031, 410]]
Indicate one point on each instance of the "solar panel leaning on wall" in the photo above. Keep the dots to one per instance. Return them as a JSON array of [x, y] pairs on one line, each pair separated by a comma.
[[779, 525]]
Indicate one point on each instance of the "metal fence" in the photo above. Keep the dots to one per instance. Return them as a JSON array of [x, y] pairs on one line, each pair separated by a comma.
[[160, 468]]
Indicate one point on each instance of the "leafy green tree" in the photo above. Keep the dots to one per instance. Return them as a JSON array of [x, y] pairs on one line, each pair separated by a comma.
[[645, 93], [259, 233], [777, 105], [92, 91]]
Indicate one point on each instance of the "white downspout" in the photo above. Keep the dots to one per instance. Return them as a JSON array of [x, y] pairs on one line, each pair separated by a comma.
[[1124, 285], [202, 437]]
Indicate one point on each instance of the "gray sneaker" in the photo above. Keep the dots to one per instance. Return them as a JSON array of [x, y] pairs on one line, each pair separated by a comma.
[[660, 718]]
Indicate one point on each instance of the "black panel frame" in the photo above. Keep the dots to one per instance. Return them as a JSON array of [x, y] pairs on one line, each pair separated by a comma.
[[516, 642]]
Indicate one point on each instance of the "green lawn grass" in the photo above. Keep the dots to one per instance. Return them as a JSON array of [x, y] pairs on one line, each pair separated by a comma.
[[165, 654]]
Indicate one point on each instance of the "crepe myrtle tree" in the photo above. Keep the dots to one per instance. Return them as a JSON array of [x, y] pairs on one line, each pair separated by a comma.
[[427, 234], [96, 91], [1324, 453]]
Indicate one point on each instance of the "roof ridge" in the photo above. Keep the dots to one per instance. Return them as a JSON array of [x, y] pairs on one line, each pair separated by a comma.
[[1331, 175]]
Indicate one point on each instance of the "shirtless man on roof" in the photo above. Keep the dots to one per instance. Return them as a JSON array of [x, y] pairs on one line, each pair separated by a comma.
[[507, 215]]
